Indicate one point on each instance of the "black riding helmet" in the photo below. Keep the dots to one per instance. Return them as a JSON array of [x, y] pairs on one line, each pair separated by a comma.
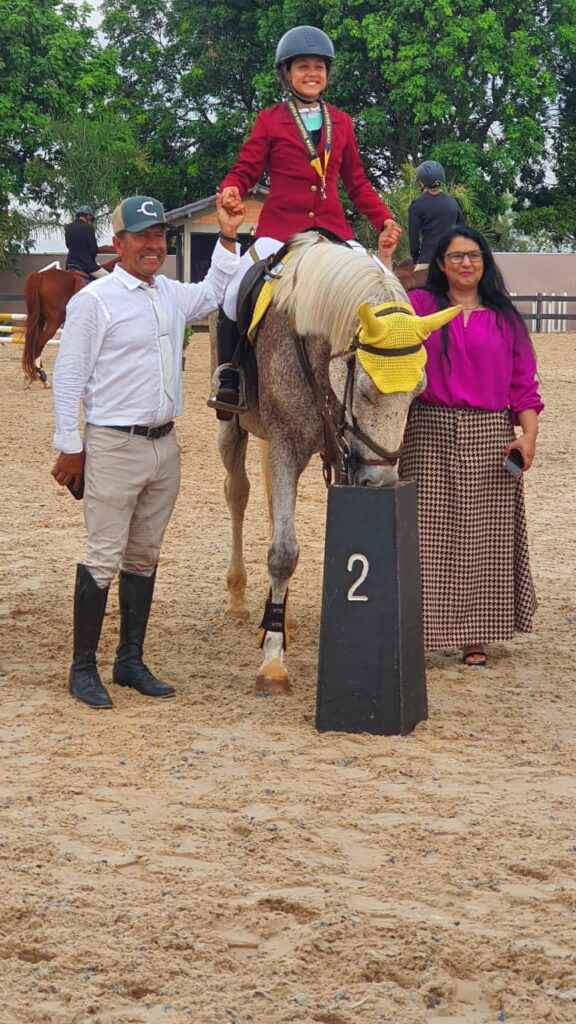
[[302, 41], [85, 211], [430, 174]]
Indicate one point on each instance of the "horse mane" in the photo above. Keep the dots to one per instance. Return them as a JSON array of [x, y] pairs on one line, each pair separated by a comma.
[[323, 284]]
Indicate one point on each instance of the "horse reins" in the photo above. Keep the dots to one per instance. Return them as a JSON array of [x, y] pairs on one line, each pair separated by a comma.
[[337, 452]]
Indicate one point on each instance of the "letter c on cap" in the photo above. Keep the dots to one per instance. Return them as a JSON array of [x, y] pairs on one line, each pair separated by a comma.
[[147, 213]]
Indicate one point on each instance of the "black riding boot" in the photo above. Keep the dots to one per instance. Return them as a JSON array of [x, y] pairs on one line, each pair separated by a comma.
[[226, 397], [135, 593], [84, 683]]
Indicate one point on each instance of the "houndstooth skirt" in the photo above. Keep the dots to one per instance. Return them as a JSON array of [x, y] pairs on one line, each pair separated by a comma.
[[476, 580]]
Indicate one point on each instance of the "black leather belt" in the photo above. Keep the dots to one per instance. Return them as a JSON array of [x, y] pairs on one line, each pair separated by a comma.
[[152, 433]]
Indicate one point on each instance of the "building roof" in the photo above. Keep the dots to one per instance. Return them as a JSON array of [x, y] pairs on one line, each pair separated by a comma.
[[201, 205]]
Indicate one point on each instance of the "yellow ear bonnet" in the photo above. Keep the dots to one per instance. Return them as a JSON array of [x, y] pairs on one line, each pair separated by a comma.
[[388, 330]]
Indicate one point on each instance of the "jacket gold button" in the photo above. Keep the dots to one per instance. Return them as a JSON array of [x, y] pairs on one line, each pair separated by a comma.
[[311, 214], [313, 188]]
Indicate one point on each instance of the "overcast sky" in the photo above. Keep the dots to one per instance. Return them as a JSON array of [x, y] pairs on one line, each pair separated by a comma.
[[94, 18]]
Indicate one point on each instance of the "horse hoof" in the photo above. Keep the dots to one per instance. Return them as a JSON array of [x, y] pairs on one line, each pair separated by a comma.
[[272, 680], [239, 614]]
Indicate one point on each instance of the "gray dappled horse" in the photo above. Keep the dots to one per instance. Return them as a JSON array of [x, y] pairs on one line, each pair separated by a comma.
[[348, 388]]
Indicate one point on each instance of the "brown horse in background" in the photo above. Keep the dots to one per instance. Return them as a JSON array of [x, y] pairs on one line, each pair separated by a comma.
[[46, 294], [408, 277]]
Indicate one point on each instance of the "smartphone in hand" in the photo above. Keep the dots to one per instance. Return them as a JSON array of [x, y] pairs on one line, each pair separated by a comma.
[[514, 462], [77, 492]]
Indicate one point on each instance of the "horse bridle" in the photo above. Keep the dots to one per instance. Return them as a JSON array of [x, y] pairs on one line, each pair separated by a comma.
[[338, 454]]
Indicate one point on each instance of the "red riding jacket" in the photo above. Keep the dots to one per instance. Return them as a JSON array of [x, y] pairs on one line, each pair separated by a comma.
[[295, 200]]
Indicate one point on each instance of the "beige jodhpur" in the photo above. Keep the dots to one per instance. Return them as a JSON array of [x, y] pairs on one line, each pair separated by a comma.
[[130, 488]]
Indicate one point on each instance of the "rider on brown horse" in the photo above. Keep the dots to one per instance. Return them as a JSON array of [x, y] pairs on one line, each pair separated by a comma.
[[82, 245], [47, 292]]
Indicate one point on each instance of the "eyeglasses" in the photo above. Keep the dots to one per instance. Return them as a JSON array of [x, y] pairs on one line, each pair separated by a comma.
[[475, 255]]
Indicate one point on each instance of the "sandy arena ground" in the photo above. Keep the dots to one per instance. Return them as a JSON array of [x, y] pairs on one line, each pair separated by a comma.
[[213, 859]]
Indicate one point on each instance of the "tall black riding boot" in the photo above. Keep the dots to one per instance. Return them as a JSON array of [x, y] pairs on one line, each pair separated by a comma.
[[228, 396], [84, 683], [135, 594]]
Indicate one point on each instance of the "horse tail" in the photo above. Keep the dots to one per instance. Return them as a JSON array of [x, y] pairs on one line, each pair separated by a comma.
[[46, 294], [267, 481], [35, 323]]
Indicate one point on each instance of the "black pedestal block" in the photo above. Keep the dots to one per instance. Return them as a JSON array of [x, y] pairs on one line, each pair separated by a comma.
[[371, 675]]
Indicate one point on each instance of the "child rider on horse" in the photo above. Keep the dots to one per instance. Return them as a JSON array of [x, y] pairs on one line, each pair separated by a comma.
[[305, 145]]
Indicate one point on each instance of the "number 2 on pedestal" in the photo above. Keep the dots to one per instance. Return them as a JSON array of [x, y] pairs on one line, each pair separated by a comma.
[[352, 595]]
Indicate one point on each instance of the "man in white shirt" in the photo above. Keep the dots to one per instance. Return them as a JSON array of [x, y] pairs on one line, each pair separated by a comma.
[[121, 354]]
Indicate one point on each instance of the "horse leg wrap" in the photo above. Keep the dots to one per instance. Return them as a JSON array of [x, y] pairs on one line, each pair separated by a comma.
[[274, 619]]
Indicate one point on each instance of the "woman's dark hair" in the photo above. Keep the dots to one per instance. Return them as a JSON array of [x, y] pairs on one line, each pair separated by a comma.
[[491, 287]]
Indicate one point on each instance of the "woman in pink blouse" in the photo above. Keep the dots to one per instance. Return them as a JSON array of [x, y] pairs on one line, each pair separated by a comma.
[[481, 370]]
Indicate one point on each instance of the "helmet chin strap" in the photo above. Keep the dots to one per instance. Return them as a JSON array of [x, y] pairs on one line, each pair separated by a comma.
[[304, 99]]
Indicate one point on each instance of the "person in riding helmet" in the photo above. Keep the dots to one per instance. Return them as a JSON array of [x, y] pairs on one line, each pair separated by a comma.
[[431, 214], [306, 145], [82, 245]]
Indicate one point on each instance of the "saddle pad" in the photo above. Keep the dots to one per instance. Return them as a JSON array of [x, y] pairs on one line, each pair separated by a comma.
[[262, 302], [248, 292], [256, 290]]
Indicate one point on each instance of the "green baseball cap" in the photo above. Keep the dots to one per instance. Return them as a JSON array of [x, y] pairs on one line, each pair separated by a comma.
[[138, 213]]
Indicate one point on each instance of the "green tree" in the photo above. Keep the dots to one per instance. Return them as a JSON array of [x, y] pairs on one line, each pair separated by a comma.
[[50, 66], [16, 230], [507, 235], [152, 61], [468, 82], [550, 206], [90, 157]]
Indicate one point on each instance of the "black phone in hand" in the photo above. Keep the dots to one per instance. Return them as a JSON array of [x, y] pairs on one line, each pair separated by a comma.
[[76, 492], [514, 462]]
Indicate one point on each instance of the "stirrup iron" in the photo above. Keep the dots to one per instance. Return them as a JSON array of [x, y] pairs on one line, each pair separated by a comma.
[[232, 407]]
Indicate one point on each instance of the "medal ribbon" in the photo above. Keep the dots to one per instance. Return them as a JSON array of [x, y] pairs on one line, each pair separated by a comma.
[[316, 161]]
